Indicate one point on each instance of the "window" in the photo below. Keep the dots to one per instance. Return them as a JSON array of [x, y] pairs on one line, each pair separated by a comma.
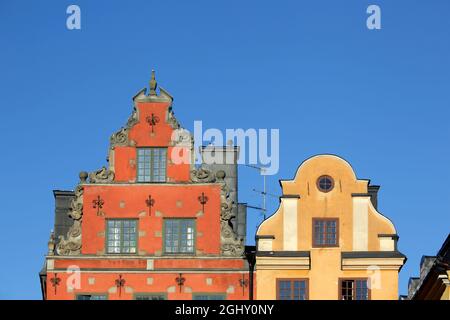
[[292, 289], [354, 289], [151, 164], [91, 297], [325, 232], [179, 235], [150, 296], [208, 296], [325, 183], [121, 235]]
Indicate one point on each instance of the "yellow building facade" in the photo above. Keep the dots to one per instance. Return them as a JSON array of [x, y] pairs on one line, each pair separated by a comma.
[[327, 240]]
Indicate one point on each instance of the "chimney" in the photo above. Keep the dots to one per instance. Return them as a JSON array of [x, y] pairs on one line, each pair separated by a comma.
[[373, 192]]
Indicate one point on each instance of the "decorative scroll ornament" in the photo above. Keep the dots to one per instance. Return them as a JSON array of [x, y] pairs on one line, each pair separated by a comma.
[[101, 176], [172, 121], [51, 244], [71, 244], [202, 175], [76, 206], [120, 138], [133, 119], [230, 244]]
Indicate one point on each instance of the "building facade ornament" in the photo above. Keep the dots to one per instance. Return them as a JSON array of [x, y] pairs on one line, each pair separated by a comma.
[[202, 175], [102, 175], [51, 244], [133, 119], [153, 84], [172, 121], [230, 244], [71, 244], [120, 138]]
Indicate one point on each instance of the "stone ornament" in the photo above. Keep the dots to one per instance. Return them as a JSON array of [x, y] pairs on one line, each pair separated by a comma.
[[101, 176], [51, 244], [133, 119], [202, 175], [230, 244], [71, 244], [172, 121], [120, 138]]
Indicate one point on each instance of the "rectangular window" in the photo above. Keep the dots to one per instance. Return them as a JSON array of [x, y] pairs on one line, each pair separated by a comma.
[[208, 296], [354, 289], [121, 236], [91, 297], [325, 232], [292, 289], [179, 235], [150, 296], [151, 164]]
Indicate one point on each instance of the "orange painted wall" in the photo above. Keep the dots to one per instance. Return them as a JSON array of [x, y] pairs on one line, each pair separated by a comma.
[[164, 283], [171, 201], [159, 263], [142, 136]]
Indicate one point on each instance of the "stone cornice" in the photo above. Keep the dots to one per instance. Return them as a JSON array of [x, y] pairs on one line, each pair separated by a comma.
[[282, 263]]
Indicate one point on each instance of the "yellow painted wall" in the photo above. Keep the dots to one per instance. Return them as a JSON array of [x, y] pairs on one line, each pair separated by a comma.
[[338, 203]]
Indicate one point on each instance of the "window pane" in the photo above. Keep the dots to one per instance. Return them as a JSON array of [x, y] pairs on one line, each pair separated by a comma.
[[151, 164], [209, 297], [121, 235], [285, 290], [362, 292], [179, 235], [150, 297], [91, 297], [325, 232], [347, 290]]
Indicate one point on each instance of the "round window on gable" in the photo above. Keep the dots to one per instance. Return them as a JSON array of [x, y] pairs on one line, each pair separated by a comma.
[[325, 183]]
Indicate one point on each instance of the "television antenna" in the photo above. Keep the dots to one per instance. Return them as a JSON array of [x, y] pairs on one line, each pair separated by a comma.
[[263, 192]]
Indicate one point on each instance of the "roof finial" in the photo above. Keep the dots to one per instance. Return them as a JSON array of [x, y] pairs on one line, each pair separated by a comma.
[[153, 84]]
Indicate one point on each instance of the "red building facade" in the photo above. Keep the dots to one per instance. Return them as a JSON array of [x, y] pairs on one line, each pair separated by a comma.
[[150, 225]]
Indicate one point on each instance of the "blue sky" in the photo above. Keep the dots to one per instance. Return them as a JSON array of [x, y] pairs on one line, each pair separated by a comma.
[[380, 99]]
